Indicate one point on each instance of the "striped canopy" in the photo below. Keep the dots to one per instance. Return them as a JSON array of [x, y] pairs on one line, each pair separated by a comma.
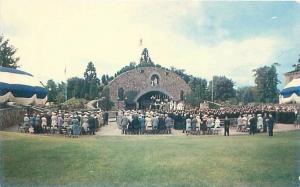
[[21, 87], [291, 93]]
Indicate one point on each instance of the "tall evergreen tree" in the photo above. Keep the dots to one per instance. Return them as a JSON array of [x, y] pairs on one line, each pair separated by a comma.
[[92, 83], [145, 59], [7, 54], [266, 80]]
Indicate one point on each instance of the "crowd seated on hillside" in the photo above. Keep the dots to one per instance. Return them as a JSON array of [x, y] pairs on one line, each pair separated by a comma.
[[70, 124], [202, 121]]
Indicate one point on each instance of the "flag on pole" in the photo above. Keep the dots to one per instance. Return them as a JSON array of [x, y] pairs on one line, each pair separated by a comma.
[[66, 87], [141, 42]]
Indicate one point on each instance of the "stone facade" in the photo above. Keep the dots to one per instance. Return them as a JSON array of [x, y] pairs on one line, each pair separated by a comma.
[[148, 79], [11, 116]]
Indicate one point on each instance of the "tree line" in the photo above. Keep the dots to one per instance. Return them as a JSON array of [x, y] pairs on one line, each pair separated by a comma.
[[221, 89], [89, 87]]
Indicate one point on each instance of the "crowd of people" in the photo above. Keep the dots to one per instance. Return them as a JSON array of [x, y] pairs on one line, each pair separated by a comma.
[[138, 122], [252, 119], [197, 121], [63, 122]]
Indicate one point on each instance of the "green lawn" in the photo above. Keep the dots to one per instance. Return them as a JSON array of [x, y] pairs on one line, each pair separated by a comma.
[[29, 160]]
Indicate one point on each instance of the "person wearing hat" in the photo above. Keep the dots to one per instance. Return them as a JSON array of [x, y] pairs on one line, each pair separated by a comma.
[[75, 126], [85, 124], [44, 122], [124, 123], [198, 123], [54, 122]]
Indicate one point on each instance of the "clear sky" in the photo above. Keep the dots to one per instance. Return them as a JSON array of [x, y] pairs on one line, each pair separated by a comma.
[[204, 38]]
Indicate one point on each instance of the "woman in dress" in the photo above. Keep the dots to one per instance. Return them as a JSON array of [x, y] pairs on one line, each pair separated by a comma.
[[54, 122], [75, 127], [44, 123], [148, 122], [85, 124], [188, 124], [198, 123]]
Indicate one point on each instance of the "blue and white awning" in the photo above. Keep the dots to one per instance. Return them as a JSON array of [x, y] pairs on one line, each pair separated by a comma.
[[291, 93], [21, 87]]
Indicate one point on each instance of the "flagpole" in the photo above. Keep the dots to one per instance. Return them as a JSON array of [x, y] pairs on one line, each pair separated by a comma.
[[66, 89], [212, 89]]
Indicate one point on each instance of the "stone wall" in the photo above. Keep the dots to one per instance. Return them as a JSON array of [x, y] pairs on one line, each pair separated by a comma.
[[139, 80], [11, 116]]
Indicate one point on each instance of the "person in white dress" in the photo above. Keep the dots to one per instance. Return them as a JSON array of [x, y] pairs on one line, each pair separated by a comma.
[[66, 121], [244, 122], [239, 124], [198, 123], [188, 124], [54, 120], [217, 123], [210, 122], [148, 122], [44, 122], [85, 123], [260, 123]]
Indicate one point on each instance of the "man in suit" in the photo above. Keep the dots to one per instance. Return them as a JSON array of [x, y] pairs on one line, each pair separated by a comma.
[[226, 126], [92, 124], [105, 118], [124, 123], [271, 122], [252, 125]]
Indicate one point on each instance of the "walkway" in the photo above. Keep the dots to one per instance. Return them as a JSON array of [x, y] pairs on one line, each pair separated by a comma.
[[113, 130]]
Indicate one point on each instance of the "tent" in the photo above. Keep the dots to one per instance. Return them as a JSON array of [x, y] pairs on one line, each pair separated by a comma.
[[21, 87], [291, 93]]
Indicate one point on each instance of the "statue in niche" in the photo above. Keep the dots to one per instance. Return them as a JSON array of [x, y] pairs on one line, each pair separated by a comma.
[[154, 80]]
